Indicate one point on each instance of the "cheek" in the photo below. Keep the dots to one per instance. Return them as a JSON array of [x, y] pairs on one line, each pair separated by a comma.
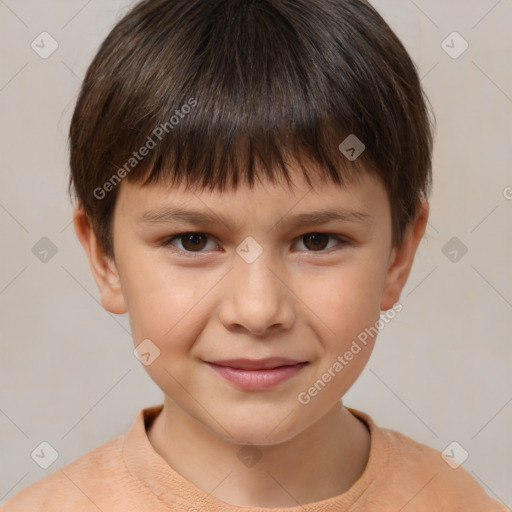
[[163, 301], [346, 306], [346, 299], [167, 306]]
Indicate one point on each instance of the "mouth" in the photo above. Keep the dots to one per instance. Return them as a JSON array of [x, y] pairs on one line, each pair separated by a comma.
[[257, 364], [257, 375]]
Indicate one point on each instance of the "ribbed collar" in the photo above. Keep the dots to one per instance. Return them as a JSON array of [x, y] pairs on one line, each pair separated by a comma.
[[146, 465]]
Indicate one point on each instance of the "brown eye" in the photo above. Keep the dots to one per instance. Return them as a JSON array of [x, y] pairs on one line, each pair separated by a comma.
[[193, 241], [316, 241], [190, 242], [319, 242]]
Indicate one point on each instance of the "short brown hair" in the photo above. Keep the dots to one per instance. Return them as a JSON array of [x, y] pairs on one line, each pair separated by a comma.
[[225, 89]]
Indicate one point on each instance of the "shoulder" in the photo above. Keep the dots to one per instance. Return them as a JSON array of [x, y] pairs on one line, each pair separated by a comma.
[[407, 474], [77, 485], [430, 479]]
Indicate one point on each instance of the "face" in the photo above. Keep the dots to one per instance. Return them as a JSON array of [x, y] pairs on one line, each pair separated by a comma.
[[263, 275]]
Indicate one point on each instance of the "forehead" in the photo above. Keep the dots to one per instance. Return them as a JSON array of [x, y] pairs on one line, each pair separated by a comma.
[[266, 203]]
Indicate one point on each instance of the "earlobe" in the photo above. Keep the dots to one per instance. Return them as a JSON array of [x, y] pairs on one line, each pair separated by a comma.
[[402, 257], [103, 268]]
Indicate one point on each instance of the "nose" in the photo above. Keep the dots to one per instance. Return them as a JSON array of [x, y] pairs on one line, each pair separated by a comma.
[[258, 299]]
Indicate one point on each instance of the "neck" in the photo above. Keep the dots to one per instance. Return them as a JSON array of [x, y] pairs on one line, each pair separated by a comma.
[[323, 461]]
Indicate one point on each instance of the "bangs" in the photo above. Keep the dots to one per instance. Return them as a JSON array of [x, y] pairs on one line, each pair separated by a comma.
[[220, 158], [241, 104]]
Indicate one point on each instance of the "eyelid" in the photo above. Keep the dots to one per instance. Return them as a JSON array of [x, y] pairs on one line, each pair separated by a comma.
[[342, 239]]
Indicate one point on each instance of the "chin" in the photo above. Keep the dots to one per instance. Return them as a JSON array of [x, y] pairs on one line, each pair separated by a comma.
[[262, 432]]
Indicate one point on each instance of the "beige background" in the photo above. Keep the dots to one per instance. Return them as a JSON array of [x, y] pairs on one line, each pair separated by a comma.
[[441, 371]]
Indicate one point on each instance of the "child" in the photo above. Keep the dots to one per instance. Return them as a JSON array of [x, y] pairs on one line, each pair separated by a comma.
[[253, 128]]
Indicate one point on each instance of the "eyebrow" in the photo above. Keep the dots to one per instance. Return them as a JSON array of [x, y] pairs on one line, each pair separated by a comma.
[[175, 214]]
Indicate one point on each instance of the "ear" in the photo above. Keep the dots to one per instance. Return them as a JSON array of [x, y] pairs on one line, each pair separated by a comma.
[[402, 257], [103, 268]]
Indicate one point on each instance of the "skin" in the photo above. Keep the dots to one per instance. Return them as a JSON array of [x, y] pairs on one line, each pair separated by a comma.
[[299, 299]]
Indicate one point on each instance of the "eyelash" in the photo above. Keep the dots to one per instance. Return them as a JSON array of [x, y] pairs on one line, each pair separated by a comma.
[[167, 242]]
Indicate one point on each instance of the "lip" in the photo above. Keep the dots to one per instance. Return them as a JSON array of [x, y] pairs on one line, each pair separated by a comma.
[[258, 379], [256, 364]]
